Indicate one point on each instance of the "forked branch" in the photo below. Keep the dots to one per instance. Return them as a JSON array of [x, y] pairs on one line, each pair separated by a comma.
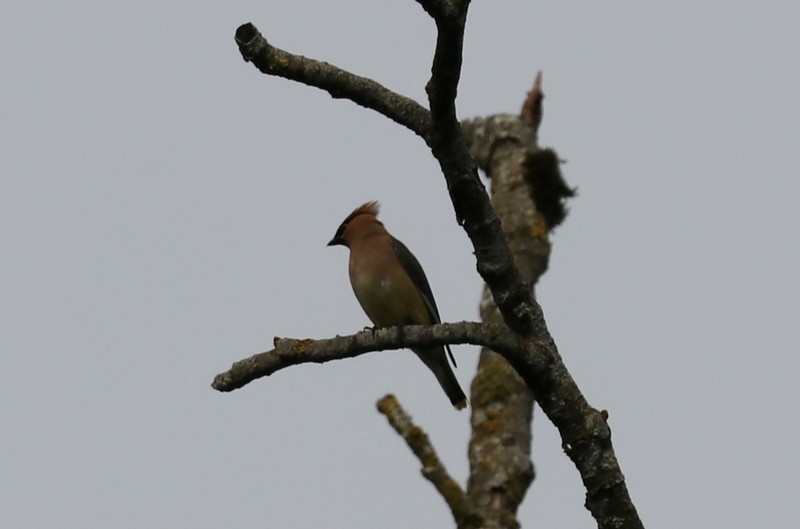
[[530, 348]]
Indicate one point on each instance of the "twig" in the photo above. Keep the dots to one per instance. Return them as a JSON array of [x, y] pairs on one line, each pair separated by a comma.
[[432, 467]]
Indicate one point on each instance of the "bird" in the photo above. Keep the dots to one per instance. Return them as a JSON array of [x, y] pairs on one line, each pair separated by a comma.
[[391, 287]]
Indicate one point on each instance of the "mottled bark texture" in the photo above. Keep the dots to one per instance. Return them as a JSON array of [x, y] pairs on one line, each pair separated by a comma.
[[528, 199], [464, 511], [502, 403], [289, 352], [501, 469]]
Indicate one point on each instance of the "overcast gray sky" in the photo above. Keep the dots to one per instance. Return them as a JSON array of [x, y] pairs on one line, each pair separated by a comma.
[[164, 210]]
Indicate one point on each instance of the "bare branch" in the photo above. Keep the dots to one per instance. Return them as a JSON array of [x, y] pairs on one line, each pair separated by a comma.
[[340, 84], [289, 351], [473, 209], [433, 7], [446, 69], [501, 469], [504, 146], [474, 212], [443, 8], [585, 434], [432, 467]]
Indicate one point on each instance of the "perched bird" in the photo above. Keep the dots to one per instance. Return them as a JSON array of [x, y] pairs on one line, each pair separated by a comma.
[[392, 288]]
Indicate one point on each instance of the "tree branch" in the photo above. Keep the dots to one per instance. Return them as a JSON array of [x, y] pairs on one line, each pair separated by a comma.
[[442, 87], [443, 8], [337, 82], [495, 262], [585, 434], [501, 469], [432, 467], [503, 146], [473, 209], [290, 351]]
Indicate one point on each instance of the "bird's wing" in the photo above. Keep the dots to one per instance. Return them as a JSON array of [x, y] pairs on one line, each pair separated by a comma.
[[417, 275]]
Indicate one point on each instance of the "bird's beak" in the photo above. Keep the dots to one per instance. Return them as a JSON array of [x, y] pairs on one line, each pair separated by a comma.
[[337, 241]]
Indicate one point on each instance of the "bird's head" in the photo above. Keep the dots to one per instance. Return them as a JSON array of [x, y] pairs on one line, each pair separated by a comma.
[[358, 222]]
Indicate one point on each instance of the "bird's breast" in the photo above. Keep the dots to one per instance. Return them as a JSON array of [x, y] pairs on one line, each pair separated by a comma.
[[388, 296]]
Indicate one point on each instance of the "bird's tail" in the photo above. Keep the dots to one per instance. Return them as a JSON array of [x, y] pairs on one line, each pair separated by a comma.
[[436, 361]]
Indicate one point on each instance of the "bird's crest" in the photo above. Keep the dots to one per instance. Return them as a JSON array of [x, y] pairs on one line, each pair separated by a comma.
[[368, 208]]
